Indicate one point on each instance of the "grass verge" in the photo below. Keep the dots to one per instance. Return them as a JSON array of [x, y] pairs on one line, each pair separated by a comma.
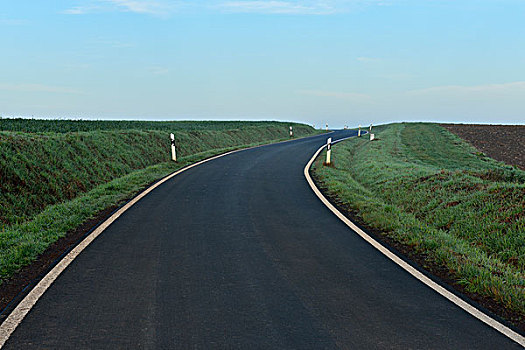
[[434, 194], [40, 169], [101, 181]]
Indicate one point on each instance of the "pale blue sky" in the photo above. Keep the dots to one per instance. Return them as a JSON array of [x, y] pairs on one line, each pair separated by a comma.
[[337, 61]]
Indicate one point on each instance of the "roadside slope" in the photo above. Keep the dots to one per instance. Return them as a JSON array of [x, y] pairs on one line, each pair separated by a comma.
[[54, 182], [456, 212]]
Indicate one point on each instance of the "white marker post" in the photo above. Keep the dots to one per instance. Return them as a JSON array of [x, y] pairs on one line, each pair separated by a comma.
[[326, 127], [372, 137], [173, 154], [328, 151], [359, 131], [291, 132], [370, 127]]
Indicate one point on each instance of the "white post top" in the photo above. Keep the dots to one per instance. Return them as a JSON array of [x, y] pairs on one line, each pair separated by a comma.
[[290, 128], [329, 141], [172, 137]]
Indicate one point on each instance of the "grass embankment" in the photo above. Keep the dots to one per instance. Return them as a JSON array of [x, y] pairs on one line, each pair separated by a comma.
[[52, 182], [432, 192], [63, 126]]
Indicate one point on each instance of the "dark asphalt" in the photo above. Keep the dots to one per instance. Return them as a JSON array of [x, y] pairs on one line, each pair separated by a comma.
[[239, 253]]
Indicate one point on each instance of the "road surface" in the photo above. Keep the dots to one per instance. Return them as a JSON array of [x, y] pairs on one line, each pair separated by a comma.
[[240, 253]]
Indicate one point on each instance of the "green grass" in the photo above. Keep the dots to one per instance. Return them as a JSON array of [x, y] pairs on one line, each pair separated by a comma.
[[429, 190], [51, 183], [63, 126], [40, 169]]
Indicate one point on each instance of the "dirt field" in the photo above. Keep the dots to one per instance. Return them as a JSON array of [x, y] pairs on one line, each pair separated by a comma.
[[505, 143]]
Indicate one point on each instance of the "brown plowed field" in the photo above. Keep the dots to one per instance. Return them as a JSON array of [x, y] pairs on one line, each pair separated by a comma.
[[505, 143]]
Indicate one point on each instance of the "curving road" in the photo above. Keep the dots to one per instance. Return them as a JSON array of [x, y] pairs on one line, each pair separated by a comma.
[[240, 253]]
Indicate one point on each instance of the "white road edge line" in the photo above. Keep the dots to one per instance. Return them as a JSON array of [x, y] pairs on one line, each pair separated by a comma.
[[411, 270], [22, 309]]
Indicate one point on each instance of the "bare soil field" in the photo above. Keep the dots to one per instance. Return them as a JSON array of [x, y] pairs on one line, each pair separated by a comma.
[[505, 143]]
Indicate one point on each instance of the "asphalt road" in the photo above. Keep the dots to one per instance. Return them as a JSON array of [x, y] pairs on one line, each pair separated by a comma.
[[240, 253]]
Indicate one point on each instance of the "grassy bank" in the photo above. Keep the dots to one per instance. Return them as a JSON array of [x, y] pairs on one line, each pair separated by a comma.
[[427, 189], [63, 126], [52, 182]]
